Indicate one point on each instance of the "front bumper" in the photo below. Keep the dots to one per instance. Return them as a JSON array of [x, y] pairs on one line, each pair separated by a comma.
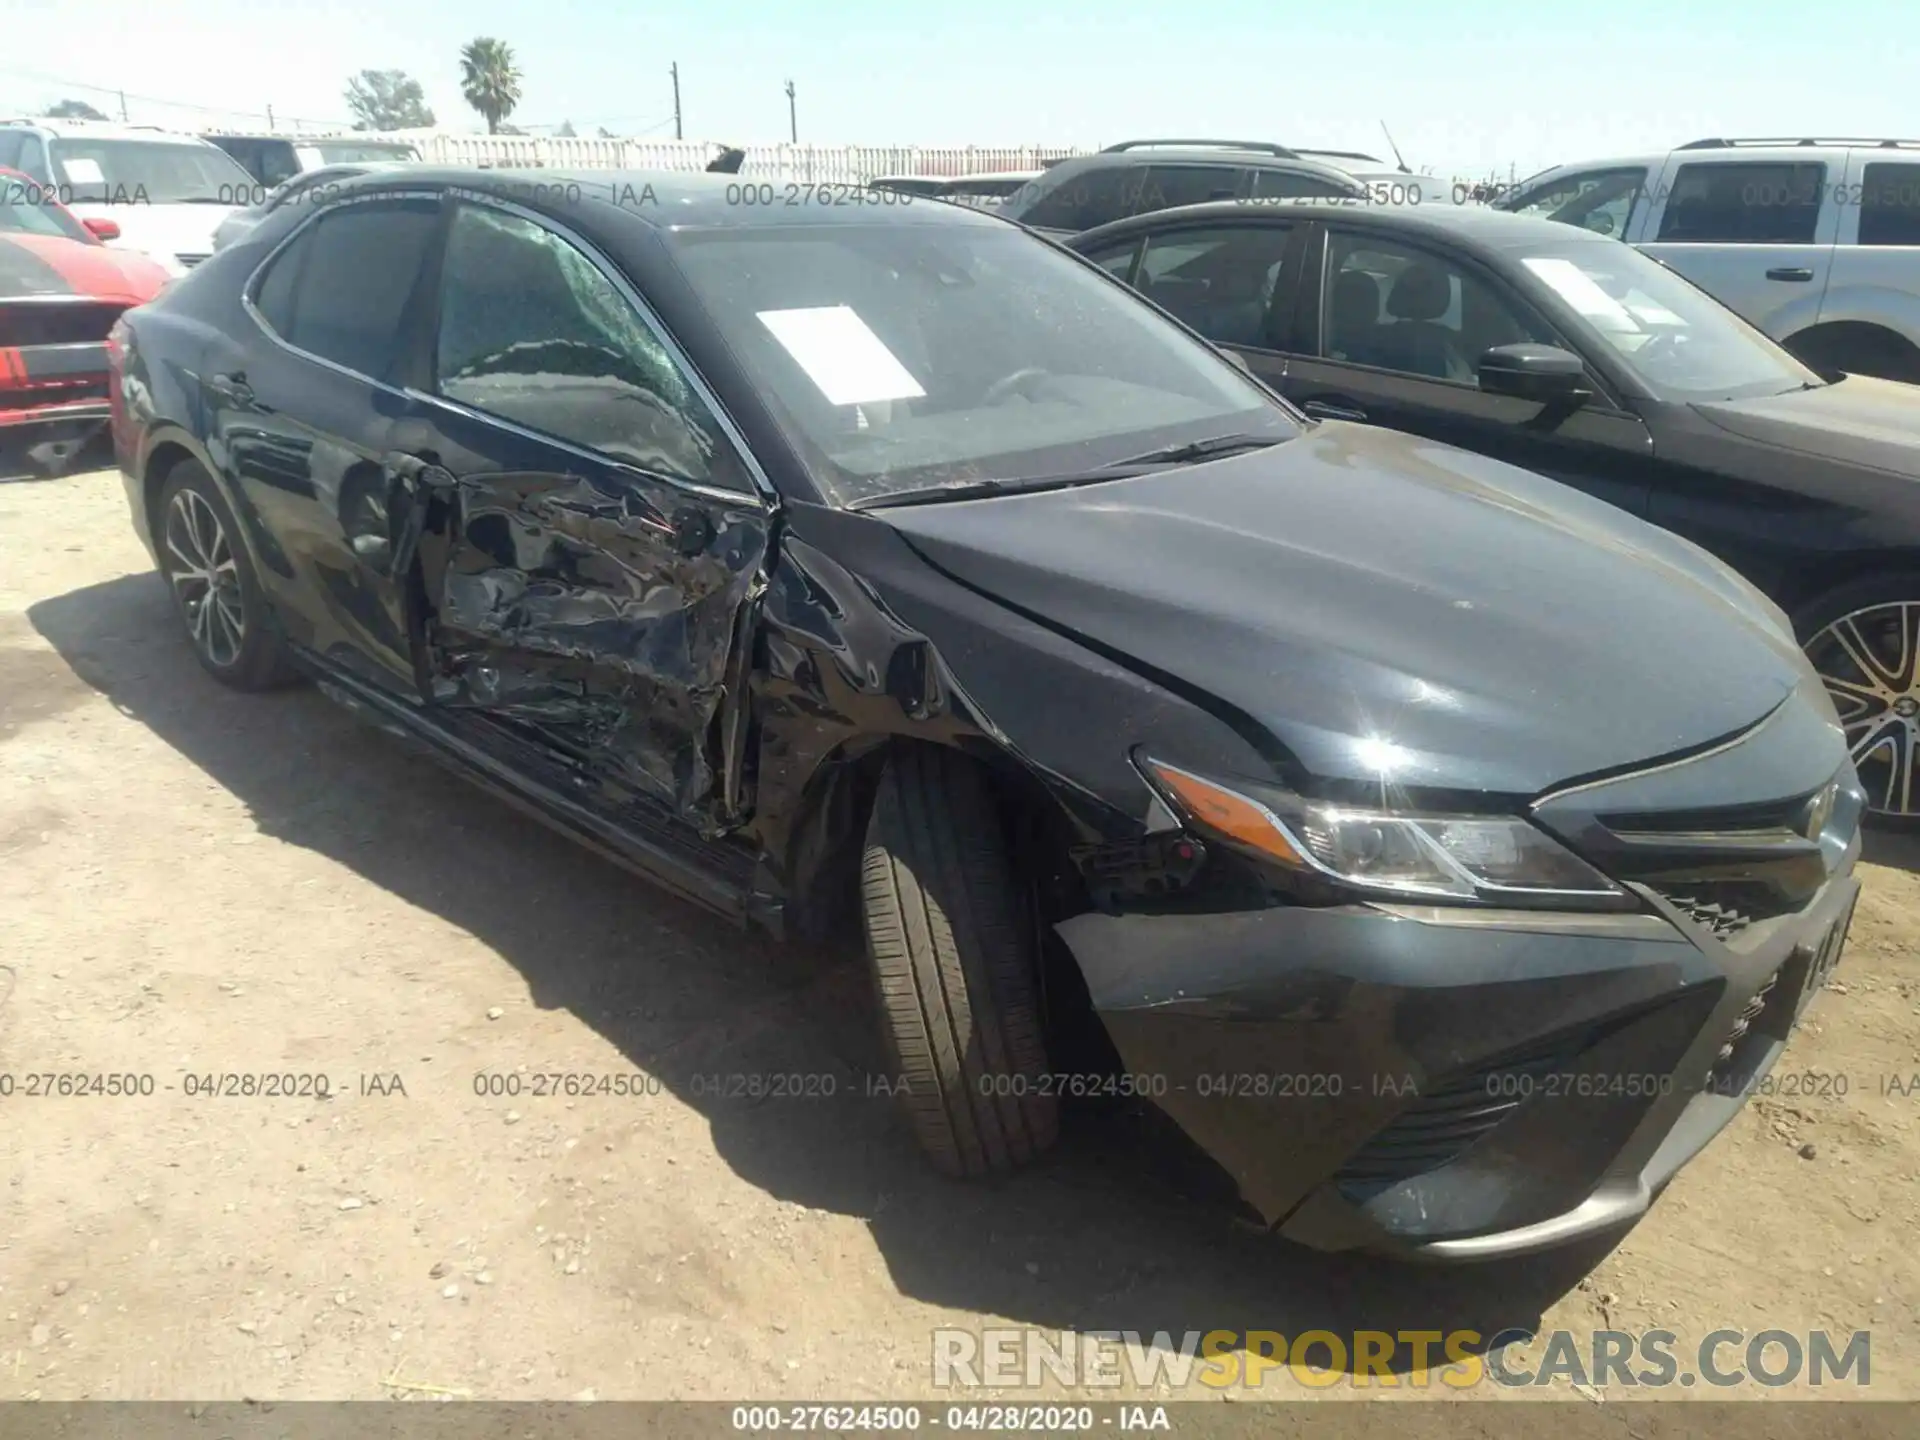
[[1446, 1085]]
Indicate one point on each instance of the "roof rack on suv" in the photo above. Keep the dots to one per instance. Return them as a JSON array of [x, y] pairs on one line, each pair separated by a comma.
[[1340, 155], [1261, 146], [1877, 143]]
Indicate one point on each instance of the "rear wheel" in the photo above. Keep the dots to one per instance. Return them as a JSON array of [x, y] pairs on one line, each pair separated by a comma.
[[1864, 640], [953, 956], [215, 590]]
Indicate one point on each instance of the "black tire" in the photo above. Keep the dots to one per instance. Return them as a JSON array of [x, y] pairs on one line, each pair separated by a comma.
[[258, 659], [952, 953], [1865, 601]]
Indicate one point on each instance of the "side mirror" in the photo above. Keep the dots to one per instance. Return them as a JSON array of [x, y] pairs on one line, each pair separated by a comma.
[[102, 229], [1543, 373]]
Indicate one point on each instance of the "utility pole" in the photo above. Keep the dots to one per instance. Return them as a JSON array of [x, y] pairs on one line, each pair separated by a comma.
[[674, 70], [793, 123], [270, 119], [123, 107]]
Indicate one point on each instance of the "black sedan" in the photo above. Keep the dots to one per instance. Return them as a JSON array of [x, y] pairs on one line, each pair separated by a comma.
[[1446, 852], [1580, 358]]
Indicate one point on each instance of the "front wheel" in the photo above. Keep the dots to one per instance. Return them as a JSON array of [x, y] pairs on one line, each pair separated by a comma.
[[1863, 639], [953, 959], [215, 590]]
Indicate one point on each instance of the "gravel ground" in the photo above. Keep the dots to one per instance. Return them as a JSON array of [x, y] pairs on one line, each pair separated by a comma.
[[193, 881]]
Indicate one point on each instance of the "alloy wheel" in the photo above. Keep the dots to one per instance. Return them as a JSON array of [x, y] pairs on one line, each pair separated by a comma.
[[200, 565], [1867, 661]]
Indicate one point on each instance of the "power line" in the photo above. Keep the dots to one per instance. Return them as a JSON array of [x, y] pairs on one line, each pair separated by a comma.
[[119, 94]]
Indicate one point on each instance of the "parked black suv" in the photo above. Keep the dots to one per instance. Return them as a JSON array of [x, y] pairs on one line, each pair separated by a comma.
[[1140, 176]]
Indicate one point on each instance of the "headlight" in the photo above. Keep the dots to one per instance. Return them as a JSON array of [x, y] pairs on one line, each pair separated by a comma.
[[1480, 858]]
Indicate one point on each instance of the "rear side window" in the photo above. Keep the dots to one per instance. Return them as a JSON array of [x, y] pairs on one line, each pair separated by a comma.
[[340, 290], [532, 331], [1890, 205], [1278, 184], [1100, 194], [1744, 204]]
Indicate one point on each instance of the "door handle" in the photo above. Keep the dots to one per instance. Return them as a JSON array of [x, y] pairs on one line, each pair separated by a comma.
[[1323, 410], [416, 481], [1790, 272], [233, 389]]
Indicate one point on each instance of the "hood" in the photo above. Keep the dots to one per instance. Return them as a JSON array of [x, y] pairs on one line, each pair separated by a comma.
[[165, 232], [42, 265], [1859, 421], [1389, 608]]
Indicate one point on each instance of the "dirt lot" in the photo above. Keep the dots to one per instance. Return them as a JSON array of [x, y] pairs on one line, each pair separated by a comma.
[[193, 881]]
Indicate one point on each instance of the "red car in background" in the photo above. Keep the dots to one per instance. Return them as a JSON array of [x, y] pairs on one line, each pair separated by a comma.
[[61, 290]]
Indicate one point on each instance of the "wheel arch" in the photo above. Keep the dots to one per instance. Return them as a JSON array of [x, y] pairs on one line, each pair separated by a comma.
[[825, 830], [1827, 339], [1808, 585]]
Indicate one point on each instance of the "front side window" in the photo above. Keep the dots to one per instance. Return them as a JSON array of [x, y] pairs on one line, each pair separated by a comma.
[[1220, 280], [1395, 307], [532, 331], [1744, 204], [1598, 200], [340, 289], [905, 355], [148, 172], [1117, 260], [1673, 335], [1890, 204]]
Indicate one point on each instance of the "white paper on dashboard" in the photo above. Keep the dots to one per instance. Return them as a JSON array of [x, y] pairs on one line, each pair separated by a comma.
[[850, 364], [83, 172], [1576, 287]]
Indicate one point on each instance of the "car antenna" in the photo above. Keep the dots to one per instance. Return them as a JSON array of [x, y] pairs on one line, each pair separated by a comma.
[[1395, 148]]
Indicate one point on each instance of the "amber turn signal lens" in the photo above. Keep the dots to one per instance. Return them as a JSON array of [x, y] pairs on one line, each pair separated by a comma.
[[1234, 816]]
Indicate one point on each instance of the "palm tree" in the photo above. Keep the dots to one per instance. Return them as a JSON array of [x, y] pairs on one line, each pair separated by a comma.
[[489, 80]]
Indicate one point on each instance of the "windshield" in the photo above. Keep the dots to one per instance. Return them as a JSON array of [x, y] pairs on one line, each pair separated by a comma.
[[147, 172], [912, 355], [29, 209], [1674, 336], [348, 152]]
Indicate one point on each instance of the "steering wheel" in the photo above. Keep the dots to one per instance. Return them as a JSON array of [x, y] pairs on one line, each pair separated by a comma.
[[1014, 384], [1661, 348]]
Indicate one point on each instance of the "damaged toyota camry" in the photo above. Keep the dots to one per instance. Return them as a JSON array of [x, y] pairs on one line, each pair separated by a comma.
[[1445, 853]]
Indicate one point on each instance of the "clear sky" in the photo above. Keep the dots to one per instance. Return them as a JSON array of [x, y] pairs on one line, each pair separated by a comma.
[[1466, 88]]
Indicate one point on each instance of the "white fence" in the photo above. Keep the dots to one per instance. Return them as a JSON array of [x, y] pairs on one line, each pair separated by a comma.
[[820, 164]]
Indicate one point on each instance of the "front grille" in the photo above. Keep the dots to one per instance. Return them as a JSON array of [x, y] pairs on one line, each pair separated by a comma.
[[1768, 1017], [1726, 869], [1720, 920], [56, 322], [1439, 1127]]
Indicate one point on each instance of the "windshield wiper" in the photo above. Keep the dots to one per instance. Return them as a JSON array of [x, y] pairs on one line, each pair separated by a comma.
[[1207, 449], [981, 489]]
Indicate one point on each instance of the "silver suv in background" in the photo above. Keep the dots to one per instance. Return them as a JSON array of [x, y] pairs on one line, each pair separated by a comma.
[[1815, 241]]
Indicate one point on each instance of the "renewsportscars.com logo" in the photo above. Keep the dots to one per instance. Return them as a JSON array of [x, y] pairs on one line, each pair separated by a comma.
[[1016, 1357]]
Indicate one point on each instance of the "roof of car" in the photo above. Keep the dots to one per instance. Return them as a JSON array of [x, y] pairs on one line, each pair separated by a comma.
[[1200, 155], [674, 199], [103, 130], [1476, 223]]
